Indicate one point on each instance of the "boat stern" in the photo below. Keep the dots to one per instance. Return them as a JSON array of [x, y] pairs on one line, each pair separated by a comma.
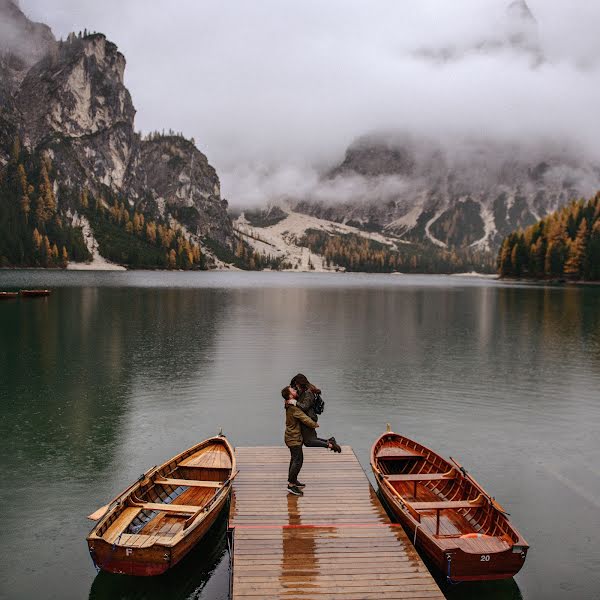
[[124, 560], [472, 564]]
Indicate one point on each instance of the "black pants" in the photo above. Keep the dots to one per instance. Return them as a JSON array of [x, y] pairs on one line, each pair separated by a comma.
[[296, 460], [309, 436]]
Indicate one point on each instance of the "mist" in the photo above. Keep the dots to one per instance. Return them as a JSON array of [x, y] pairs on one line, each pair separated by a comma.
[[274, 92]]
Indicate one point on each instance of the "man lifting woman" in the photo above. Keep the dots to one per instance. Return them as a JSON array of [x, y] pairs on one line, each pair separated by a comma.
[[301, 416]]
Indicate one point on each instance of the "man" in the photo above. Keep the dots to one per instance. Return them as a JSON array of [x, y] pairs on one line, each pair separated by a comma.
[[293, 439]]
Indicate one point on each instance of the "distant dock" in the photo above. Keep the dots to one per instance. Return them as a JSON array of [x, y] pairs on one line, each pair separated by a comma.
[[334, 543]]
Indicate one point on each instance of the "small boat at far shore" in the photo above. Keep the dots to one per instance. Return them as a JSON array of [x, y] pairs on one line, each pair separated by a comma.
[[158, 519], [32, 293], [6, 295], [448, 515]]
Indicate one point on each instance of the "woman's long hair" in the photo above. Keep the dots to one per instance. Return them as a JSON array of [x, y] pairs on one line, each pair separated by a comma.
[[302, 382]]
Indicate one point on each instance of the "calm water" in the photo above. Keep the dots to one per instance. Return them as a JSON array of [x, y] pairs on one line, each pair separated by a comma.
[[116, 372]]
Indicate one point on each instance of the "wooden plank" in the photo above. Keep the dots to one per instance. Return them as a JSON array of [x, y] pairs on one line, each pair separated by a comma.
[[397, 453], [188, 482], [120, 524], [173, 508], [421, 477], [453, 505], [335, 542]]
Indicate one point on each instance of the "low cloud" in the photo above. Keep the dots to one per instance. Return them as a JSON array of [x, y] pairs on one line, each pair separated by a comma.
[[290, 184]]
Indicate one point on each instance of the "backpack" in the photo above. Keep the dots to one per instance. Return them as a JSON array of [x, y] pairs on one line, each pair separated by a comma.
[[319, 404]]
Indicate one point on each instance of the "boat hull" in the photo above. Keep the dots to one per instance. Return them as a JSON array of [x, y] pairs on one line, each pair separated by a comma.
[[154, 523], [155, 560], [461, 555], [464, 566], [35, 293]]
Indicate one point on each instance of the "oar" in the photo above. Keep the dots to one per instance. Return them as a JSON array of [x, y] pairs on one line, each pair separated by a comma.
[[95, 516], [98, 514], [495, 504]]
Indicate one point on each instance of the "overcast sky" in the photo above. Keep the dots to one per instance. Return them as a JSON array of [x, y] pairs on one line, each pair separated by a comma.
[[286, 86]]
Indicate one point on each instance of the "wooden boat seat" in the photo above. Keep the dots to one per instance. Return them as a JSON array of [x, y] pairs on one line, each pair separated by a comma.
[[172, 508], [188, 482], [445, 505], [120, 523], [421, 477], [141, 540], [448, 505], [396, 453]]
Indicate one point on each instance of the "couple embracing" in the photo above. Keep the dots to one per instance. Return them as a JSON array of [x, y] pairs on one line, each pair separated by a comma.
[[300, 425]]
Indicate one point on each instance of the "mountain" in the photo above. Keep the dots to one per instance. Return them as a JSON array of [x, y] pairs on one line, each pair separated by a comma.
[[470, 194], [66, 106], [516, 32], [464, 192], [565, 244]]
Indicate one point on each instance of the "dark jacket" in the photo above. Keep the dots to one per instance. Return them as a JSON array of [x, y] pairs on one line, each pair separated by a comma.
[[307, 403], [293, 417]]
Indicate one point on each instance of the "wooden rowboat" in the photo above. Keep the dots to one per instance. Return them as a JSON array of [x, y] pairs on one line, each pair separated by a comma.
[[462, 529], [32, 293], [7, 295], [156, 521]]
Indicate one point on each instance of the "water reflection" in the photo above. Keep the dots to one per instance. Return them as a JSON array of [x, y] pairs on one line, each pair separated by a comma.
[[71, 367], [299, 565], [505, 589], [116, 372]]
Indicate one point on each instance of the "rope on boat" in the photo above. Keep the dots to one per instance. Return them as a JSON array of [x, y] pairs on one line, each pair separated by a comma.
[[448, 576], [94, 560], [415, 538]]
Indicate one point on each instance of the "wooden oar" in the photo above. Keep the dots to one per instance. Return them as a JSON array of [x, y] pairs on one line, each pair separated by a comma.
[[95, 516], [98, 514], [495, 504]]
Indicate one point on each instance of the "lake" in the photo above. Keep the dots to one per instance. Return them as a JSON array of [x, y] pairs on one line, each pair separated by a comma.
[[116, 372]]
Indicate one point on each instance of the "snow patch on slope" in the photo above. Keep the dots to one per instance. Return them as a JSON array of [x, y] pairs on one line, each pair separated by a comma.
[[98, 262], [280, 240]]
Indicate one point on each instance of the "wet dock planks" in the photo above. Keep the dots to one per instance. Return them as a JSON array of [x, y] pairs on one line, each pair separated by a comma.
[[334, 543]]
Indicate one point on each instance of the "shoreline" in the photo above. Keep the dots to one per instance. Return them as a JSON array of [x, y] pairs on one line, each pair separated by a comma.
[[120, 268], [552, 281]]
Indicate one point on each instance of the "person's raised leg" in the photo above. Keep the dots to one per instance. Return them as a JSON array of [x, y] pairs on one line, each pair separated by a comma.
[[310, 439]]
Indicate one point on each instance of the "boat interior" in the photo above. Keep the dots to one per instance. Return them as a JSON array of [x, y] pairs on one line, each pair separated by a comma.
[[170, 500], [447, 506]]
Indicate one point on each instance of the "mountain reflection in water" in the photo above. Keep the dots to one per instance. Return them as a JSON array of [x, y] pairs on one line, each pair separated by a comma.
[[116, 372]]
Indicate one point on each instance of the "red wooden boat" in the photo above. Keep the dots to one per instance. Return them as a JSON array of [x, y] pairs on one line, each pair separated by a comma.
[[32, 293], [157, 520], [7, 295], [455, 522]]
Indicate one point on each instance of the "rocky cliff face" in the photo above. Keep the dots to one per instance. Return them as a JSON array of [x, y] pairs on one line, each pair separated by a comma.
[[469, 194], [171, 176], [73, 103], [67, 100]]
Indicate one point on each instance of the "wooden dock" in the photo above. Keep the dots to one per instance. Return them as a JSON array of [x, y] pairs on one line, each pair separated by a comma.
[[334, 543]]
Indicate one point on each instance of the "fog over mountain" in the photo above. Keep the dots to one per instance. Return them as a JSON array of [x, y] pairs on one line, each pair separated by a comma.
[[449, 123], [280, 84]]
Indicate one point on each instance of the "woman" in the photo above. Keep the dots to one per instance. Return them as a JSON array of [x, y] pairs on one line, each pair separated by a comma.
[[306, 401]]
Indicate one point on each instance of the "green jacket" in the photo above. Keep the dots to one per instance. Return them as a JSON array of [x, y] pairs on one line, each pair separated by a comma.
[[293, 417]]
